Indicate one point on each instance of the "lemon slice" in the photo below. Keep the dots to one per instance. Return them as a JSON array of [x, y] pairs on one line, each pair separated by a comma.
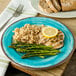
[[49, 32]]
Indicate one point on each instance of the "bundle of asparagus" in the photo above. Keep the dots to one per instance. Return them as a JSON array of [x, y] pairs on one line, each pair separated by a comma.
[[32, 50]]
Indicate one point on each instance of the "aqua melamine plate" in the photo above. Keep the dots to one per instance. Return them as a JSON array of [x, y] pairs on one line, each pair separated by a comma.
[[36, 62]]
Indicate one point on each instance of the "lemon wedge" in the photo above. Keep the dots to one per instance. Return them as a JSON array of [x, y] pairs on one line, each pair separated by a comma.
[[49, 32]]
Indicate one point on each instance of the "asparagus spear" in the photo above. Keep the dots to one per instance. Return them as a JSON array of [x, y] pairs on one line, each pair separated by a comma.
[[36, 50], [31, 47], [42, 56], [32, 55]]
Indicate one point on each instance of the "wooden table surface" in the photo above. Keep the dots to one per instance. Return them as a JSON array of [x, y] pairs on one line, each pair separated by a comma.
[[57, 71]]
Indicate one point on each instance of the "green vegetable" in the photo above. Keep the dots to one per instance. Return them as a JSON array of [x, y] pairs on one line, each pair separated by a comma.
[[35, 50], [42, 56], [38, 54], [32, 50]]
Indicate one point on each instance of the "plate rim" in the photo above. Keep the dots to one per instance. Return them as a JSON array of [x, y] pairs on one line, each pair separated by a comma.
[[43, 13], [61, 62]]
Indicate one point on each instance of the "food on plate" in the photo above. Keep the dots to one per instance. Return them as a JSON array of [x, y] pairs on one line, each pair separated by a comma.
[[32, 50], [68, 5], [55, 6], [33, 34], [51, 5], [44, 6], [49, 32], [37, 40]]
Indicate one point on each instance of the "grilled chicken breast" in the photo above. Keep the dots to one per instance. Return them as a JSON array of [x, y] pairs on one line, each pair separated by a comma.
[[56, 42]]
